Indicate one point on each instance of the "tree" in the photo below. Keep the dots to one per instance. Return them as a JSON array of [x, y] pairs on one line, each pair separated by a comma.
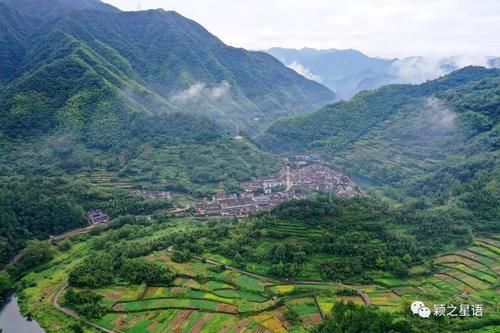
[[279, 253], [5, 282], [35, 253], [85, 302], [77, 328], [299, 257], [292, 316], [238, 260], [407, 259], [140, 270], [65, 245], [97, 270], [180, 256], [360, 319]]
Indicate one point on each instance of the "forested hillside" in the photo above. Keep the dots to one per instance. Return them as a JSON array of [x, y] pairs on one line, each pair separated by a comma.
[[49, 182], [116, 101], [90, 56], [431, 142]]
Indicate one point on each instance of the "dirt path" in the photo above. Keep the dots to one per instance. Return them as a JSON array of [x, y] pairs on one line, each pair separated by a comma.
[[361, 294], [72, 313], [79, 232], [261, 276], [65, 235]]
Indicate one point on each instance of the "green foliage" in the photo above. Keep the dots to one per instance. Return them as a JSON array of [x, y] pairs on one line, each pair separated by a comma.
[[361, 319], [95, 83], [34, 254], [64, 245], [38, 207], [5, 282], [142, 271], [292, 316], [336, 239], [85, 302], [346, 292], [32, 209], [29, 113], [181, 256], [436, 143], [94, 271]]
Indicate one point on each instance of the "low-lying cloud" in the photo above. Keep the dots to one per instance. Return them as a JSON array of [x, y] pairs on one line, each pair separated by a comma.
[[200, 91], [304, 71], [439, 114], [420, 69]]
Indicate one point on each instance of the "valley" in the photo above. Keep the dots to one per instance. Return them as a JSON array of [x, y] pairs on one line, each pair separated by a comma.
[[154, 178]]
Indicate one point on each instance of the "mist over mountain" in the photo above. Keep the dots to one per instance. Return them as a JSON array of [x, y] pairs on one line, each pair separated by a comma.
[[348, 72], [149, 62]]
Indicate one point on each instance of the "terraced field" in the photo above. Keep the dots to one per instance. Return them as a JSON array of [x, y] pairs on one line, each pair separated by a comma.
[[106, 179], [203, 301], [464, 276], [294, 230]]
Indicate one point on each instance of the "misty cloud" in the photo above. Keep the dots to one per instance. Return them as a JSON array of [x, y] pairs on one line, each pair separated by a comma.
[[304, 71], [439, 114], [420, 69], [201, 91], [417, 69]]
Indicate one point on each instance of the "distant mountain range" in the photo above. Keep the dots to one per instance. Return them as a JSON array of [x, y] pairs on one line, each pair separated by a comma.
[[348, 72], [76, 56]]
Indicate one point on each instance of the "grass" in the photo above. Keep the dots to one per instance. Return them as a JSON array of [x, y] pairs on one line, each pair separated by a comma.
[[326, 304], [304, 305], [384, 298], [283, 289], [227, 293], [217, 322], [140, 327], [250, 283]]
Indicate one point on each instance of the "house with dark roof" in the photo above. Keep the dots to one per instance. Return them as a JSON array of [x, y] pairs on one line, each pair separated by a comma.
[[96, 216]]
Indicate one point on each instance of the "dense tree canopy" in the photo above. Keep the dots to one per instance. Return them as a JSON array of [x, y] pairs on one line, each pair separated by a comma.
[[351, 318]]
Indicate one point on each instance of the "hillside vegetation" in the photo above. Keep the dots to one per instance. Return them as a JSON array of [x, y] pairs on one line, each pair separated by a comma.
[[435, 144], [95, 100], [90, 65]]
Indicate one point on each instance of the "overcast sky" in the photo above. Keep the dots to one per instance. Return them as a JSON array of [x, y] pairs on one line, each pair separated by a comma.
[[388, 28]]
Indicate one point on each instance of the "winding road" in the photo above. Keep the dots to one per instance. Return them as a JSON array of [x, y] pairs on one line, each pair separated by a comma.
[[72, 313]]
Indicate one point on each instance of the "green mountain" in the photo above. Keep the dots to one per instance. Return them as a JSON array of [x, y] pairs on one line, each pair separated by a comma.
[[48, 9], [95, 103], [437, 141], [138, 62]]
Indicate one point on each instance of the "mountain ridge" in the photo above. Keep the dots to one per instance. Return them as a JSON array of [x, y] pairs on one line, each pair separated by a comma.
[[173, 61]]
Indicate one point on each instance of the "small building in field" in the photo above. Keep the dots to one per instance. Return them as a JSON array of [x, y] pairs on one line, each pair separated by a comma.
[[96, 216]]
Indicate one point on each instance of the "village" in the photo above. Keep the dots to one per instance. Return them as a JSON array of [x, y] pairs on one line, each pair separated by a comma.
[[300, 176]]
